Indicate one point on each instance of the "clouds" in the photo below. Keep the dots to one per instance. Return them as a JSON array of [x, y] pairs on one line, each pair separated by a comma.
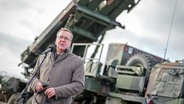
[[9, 5], [13, 43], [11, 48], [21, 21], [150, 24]]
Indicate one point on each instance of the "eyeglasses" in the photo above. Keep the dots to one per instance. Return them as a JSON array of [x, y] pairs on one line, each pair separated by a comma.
[[65, 38]]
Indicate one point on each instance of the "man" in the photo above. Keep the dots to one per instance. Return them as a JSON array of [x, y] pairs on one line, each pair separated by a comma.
[[61, 70]]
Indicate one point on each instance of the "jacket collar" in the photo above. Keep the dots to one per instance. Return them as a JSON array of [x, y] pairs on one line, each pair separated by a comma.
[[56, 58]]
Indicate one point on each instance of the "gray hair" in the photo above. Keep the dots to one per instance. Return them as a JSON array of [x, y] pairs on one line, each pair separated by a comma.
[[65, 29]]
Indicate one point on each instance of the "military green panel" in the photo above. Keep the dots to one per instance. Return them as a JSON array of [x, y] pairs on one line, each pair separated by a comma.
[[181, 101], [114, 54], [92, 84], [172, 102], [111, 100], [94, 4], [91, 4], [130, 82], [112, 8], [162, 100], [124, 81], [117, 6], [176, 101], [168, 85], [92, 68]]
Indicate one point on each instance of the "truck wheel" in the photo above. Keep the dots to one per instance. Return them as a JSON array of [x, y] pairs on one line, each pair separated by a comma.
[[13, 99], [140, 60]]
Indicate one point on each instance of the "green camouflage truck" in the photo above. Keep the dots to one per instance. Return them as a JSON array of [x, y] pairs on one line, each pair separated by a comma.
[[121, 79], [130, 76]]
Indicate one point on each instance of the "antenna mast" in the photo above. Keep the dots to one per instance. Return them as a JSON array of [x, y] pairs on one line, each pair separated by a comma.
[[170, 30]]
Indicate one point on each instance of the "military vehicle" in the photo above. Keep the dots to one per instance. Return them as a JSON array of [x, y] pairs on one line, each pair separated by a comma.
[[11, 87], [87, 19], [166, 83], [131, 76], [121, 79]]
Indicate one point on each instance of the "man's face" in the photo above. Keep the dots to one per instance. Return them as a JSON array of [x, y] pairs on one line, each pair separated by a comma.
[[63, 41]]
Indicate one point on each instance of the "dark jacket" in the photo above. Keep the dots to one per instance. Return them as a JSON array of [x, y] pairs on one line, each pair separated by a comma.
[[65, 74]]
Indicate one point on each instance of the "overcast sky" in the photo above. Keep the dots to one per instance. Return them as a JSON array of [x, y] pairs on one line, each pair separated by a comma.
[[147, 28]]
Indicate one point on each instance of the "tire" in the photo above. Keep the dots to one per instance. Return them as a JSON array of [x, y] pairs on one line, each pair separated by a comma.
[[13, 99], [141, 60], [145, 63]]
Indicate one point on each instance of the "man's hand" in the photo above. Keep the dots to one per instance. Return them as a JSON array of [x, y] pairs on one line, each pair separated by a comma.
[[50, 92], [39, 87]]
